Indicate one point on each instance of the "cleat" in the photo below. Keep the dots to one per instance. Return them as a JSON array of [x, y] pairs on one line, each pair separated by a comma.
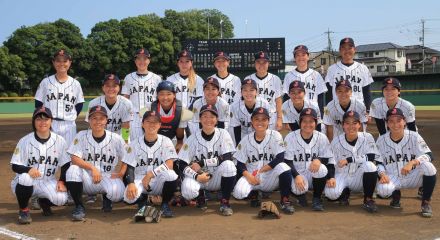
[[24, 217], [139, 214], [254, 198], [106, 204], [201, 201], [395, 199], [178, 201], [420, 193], [78, 213], [286, 206], [317, 204], [344, 199], [90, 199], [70, 201], [426, 209], [34, 204], [225, 208], [166, 211], [302, 200], [370, 206], [45, 205]]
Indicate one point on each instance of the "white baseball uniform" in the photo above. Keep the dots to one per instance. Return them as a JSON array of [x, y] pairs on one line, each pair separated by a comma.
[[105, 157], [313, 83], [142, 92], [396, 155], [222, 109], [122, 111], [269, 88], [303, 153], [196, 148], [333, 114], [230, 87], [291, 114], [357, 73], [47, 158], [144, 159], [351, 175], [182, 91], [61, 99], [379, 108], [255, 155]]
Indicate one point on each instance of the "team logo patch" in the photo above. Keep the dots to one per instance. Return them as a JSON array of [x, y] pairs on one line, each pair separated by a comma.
[[75, 141], [230, 114], [129, 150], [16, 151], [326, 111], [185, 147], [239, 146], [194, 110]]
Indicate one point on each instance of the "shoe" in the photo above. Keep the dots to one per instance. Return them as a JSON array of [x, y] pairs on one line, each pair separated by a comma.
[[166, 211], [286, 206], [420, 193], [317, 204], [142, 201], [90, 199], [266, 195], [426, 209], [344, 199], [45, 205], [395, 199], [254, 198], [178, 201], [70, 201], [201, 201], [370, 206], [139, 214], [106, 204], [225, 208], [24, 217], [34, 204], [78, 213], [302, 200]]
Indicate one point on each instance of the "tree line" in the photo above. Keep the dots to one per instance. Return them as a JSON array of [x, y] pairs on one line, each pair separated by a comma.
[[26, 56]]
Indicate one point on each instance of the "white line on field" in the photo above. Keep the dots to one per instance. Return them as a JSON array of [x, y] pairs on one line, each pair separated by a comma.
[[15, 235]]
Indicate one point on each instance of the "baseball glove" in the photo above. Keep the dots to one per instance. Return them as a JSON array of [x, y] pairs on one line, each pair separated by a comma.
[[148, 214], [268, 209]]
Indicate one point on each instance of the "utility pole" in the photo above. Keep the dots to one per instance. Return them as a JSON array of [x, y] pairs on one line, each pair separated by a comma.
[[423, 45], [208, 27], [221, 28], [329, 47]]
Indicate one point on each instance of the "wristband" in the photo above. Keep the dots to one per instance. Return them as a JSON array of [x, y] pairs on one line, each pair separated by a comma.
[[161, 168], [211, 162]]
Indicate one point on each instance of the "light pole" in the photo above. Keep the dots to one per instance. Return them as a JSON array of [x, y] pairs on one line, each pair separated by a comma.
[[245, 31], [221, 28], [208, 26]]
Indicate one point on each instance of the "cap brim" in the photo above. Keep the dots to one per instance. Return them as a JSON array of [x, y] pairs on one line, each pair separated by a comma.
[[208, 110], [226, 58]]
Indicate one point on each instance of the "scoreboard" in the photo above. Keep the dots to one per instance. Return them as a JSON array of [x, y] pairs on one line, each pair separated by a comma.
[[240, 50]]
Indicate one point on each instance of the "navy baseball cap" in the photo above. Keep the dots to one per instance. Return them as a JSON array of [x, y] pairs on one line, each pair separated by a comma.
[[153, 114], [224, 55], [300, 48], [260, 110], [212, 81], [42, 110], [165, 85], [62, 53], [297, 85], [391, 81], [111, 77], [308, 112], [261, 55], [348, 40], [395, 112], [351, 114], [97, 109], [208, 108], [343, 83], [250, 82], [184, 53], [142, 51]]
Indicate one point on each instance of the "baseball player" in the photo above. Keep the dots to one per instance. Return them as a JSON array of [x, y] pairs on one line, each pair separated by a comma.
[[35, 160], [229, 83], [407, 162], [140, 88], [391, 99], [269, 86], [206, 162], [314, 84], [95, 153], [260, 161], [150, 165], [356, 154], [211, 90], [189, 86], [63, 95], [119, 109], [309, 155], [350, 70], [241, 111], [337, 107], [297, 102]]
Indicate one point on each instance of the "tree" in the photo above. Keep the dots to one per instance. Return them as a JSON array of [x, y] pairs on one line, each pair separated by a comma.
[[11, 71]]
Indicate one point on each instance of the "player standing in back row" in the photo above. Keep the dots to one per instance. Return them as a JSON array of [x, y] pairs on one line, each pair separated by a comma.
[[350, 70], [229, 83]]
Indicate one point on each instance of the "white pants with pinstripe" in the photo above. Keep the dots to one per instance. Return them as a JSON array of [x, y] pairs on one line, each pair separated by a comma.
[[269, 181], [308, 176], [66, 129], [112, 187], [43, 188], [190, 187], [156, 185], [352, 181], [412, 180]]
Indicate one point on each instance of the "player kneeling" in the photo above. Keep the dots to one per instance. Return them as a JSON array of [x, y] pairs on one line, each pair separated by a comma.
[[309, 155], [206, 162], [95, 154], [36, 158], [406, 162], [356, 154], [150, 166], [260, 157]]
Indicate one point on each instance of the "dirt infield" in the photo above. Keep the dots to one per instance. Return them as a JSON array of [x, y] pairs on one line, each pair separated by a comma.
[[190, 223]]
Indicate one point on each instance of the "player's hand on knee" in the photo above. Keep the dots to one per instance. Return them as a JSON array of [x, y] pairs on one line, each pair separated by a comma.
[[384, 178], [96, 175], [146, 181], [61, 187], [131, 191], [34, 173], [406, 169], [314, 166], [253, 180], [196, 167], [342, 163], [300, 183], [117, 175], [331, 183], [203, 177]]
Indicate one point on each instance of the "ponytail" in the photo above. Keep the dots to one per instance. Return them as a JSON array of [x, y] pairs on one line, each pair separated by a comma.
[[192, 79]]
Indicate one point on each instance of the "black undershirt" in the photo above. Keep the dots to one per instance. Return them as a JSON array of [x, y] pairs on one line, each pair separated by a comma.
[[307, 140], [207, 137], [250, 110], [307, 69], [184, 77], [99, 139], [109, 106], [255, 138], [221, 77], [150, 144], [261, 78], [41, 140], [345, 108], [142, 74], [352, 143], [397, 141], [347, 64]]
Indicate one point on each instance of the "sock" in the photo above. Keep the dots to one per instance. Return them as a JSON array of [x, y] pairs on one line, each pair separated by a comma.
[[23, 193], [76, 190], [285, 183], [168, 191], [227, 185], [369, 181], [318, 186], [428, 187]]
